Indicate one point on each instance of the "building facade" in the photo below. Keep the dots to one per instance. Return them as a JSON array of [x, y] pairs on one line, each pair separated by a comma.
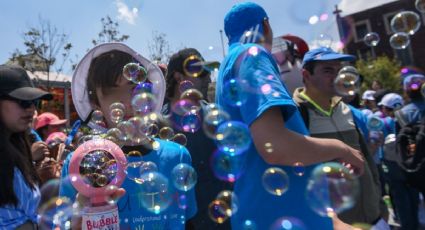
[[352, 29]]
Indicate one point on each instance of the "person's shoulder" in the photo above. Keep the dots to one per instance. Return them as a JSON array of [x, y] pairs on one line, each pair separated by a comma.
[[170, 147]]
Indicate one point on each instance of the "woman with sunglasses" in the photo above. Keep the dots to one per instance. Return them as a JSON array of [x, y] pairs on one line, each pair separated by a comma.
[[19, 192]]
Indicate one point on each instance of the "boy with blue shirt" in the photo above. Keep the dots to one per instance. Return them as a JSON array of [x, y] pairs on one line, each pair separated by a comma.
[[273, 120], [97, 83]]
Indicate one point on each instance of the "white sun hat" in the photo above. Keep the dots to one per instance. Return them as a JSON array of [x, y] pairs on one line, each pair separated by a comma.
[[80, 95]]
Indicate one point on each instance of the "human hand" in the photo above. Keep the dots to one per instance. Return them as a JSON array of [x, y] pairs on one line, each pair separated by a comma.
[[353, 160], [39, 151]]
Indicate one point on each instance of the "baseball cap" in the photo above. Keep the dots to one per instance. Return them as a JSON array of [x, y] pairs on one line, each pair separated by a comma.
[[325, 54], [15, 83], [413, 81], [56, 136], [48, 119], [392, 100], [301, 47], [368, 95], [241, 18], [187, 61]]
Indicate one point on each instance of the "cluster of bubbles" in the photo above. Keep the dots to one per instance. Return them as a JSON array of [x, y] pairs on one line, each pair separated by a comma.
[[403, 25], [347, 82], [98, 168]]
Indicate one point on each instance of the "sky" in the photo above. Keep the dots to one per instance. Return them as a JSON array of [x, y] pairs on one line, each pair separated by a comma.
[[186, 23]]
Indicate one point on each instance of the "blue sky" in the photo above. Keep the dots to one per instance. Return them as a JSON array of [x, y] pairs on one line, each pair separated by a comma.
[[187, 23]]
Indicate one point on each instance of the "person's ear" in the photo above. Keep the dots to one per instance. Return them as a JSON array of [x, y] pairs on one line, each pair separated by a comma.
[[306, 75]]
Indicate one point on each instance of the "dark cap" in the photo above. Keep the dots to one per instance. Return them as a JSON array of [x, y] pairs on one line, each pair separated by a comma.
[[15, 83], [187, 61]]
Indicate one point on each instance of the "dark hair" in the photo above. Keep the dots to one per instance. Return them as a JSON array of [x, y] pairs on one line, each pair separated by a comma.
[[15, 151], [105, 71], [309, 66], [170, 83], [414, 95]]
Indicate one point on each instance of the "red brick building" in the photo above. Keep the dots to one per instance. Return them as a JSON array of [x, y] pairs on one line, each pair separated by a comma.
[[355, 26]]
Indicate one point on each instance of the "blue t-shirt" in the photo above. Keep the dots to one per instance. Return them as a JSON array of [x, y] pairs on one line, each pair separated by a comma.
[[132, 214], [260, 89], [12, 216]]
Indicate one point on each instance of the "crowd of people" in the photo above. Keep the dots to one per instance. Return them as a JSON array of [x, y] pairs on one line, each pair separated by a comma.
[[272, 112]]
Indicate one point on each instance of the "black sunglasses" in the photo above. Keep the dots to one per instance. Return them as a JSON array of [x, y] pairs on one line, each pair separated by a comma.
[[25, 104]]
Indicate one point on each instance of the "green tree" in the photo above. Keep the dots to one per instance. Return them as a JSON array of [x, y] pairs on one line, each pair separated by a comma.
[[159, 48], [383, 69], [46, 49], [109, 32]]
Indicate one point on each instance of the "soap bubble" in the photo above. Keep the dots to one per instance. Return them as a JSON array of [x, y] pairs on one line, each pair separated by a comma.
[[347, 82], [230, 199], [233, 137], [399, 41], [135, 73], [275, 181], [191, 122], [184, 177], [407, 22], [185, 85], [144, 103], [192, 66], [331, 189], [298, 168], [371, 39], [212, 120], [155, 195], [288, 223], [217, 211], [226, 167], [420, 5]]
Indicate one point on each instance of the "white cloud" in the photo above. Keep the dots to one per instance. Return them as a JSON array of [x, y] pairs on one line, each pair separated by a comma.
[[125, 13], [354, 6]]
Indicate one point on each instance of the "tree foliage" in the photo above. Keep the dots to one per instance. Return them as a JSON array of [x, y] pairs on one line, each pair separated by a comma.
[[46, 49], [159, 48], [383, 69], [109, 32]]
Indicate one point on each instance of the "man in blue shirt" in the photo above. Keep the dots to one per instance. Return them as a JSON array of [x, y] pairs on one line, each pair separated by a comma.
[[264, 104]]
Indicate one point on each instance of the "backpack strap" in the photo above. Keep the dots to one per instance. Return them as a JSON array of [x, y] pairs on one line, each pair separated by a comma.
[[304, 114], [400, 118]]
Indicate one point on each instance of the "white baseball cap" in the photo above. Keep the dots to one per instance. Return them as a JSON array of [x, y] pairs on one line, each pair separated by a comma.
[[368, 95], [392, 100]]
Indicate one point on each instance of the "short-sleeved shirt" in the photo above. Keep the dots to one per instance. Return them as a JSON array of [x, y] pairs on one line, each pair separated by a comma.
[[132, 213], [260, 89], [28, 200]]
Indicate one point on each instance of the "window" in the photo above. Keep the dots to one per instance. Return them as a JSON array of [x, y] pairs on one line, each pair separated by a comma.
[[361, 29], [387, 21]]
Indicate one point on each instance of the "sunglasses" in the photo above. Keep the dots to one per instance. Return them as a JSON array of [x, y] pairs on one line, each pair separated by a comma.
[[25, 104]]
